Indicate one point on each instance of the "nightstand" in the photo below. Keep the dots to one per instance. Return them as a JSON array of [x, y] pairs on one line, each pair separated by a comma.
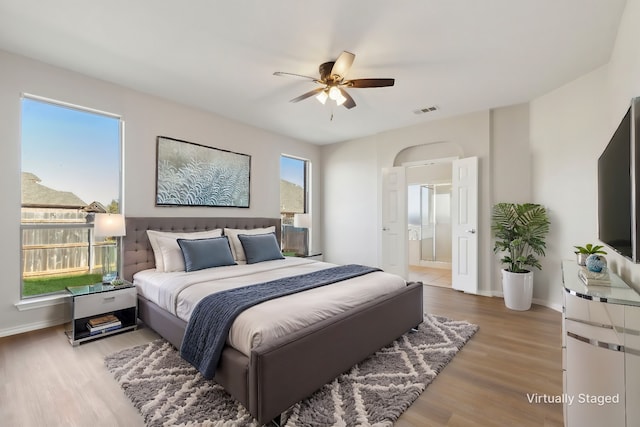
[[100, 310]]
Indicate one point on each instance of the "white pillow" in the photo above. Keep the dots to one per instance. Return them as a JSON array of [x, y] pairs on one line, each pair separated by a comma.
[[166, 250], [236, 245]]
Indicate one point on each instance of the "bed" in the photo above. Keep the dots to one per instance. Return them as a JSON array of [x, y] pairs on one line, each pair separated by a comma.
[[270, 377]]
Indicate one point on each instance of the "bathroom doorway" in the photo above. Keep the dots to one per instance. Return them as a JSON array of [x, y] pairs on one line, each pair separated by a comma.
[[429, 222]]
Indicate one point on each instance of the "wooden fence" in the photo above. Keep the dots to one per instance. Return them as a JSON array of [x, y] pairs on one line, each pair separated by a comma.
[[58, 249]]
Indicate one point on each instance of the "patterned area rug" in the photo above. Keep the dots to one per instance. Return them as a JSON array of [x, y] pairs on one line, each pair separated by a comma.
[[170, 392]]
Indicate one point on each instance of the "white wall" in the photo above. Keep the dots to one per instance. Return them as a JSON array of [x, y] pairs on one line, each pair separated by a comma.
[[567, 136], [145, 118], [570, 127], [352, 185], [554, 163], [511, 174]]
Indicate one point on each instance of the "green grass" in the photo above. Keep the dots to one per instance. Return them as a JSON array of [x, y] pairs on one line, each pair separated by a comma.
[[47, 285]]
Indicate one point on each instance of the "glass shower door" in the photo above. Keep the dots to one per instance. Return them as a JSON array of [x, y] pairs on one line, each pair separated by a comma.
[[427, 224]]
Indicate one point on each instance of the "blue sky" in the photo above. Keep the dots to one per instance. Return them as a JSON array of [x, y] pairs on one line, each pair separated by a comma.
[[72, 150], [292, 170]]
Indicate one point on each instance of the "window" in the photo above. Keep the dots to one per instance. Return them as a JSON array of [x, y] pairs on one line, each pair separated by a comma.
[[294, 200], [71, 169]]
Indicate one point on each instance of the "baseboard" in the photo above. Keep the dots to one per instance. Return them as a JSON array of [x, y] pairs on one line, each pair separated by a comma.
[[31, 327], [548, 304], [537, 301]]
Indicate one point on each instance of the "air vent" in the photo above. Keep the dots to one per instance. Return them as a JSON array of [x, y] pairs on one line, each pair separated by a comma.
[[426, 109]]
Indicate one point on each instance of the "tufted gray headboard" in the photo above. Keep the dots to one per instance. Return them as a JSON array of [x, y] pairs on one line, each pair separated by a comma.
[[137, 251]]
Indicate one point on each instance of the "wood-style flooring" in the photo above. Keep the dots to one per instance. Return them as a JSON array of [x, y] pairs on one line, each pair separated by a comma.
[[430, 276], [46, 382]]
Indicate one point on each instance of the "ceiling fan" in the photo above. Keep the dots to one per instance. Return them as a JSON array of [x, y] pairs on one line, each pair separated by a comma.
[[332, 79]]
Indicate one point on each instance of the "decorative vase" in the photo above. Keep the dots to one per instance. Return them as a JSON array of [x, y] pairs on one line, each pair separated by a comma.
[[517, 289], [596, 263]]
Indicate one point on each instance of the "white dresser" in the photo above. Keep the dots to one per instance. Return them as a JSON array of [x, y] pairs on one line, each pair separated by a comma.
[[601, 352]]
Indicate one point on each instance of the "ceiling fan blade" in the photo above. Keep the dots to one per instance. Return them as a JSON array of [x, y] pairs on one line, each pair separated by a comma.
[[360, 83], [343, 64], [349, 103], [283, 74], [307, 95]]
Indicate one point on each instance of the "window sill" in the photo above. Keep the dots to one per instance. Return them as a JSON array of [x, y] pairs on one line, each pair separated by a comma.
[[40, 302]]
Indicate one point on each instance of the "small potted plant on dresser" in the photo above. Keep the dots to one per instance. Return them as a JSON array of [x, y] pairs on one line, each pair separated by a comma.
[[583, 252], [520, 231]]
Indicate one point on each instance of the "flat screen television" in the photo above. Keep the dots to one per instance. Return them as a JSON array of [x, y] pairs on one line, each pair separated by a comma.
[[618, 181]]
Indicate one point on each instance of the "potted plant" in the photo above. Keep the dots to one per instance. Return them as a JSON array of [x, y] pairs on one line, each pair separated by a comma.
[[583, 252], [520, 231]]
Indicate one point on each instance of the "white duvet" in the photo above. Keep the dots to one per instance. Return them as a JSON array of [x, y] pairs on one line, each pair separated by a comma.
[[179, 292]]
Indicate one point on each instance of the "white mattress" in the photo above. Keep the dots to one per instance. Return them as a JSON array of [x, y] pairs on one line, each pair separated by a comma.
[[179, 292]]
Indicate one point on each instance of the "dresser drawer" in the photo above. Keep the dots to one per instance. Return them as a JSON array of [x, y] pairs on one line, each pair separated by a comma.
[[91, 305], [595, 312], [606, 336]]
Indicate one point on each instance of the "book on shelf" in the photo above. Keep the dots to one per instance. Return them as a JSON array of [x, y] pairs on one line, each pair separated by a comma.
[[592, 278], [93, 331], [104, 326], [109, 318]]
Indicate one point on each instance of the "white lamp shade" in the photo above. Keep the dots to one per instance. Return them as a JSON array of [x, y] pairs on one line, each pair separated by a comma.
[[322, 97], [109, 225], [302, 220]]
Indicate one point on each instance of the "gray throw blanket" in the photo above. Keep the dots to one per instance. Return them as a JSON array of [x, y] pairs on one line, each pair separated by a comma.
[[208, 328]]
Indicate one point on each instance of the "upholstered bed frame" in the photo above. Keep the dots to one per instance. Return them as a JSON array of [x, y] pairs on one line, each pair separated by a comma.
[[280, 373]]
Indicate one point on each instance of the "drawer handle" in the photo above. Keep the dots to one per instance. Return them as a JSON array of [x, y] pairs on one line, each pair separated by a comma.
[[587, 322], [596, 343], [109, 299], [632, 351]]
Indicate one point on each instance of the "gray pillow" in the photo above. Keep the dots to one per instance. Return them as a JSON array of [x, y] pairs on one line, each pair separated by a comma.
[[260, 247], [206, 253]]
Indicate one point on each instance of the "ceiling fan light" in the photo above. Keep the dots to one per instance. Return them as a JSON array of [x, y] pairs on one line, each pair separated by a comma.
[[341, 99], [334, 93], [322, 97]]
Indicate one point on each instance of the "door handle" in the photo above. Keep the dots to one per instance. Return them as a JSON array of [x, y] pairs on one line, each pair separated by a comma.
[[472, 231], [385, 229]]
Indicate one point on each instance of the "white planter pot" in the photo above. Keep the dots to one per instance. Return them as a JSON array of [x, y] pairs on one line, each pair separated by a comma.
[[517, 289]]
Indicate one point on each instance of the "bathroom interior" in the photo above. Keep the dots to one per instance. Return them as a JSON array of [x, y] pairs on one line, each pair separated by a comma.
[[429, 222]]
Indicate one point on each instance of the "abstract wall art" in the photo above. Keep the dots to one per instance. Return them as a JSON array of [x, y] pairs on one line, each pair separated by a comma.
[[189, 174]]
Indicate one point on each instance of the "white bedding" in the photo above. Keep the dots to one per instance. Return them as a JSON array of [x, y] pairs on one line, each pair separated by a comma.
[[179, 292]]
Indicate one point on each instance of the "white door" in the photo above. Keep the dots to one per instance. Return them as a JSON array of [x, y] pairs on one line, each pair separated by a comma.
[[394, 237], [464, 225]]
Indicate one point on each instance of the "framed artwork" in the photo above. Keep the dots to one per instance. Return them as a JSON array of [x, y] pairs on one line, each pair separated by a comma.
[[189, 174]]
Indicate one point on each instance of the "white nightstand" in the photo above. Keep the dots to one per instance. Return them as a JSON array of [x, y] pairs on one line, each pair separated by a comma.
[[97, 301]]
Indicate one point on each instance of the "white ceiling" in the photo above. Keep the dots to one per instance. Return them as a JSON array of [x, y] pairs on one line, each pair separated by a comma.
[[459, 55]]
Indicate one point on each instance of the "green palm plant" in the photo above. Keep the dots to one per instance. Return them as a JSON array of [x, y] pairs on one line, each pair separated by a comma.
[[590, 249], [520, 231]]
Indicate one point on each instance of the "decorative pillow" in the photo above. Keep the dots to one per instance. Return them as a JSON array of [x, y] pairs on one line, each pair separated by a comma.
[[260, 247], [167, 251], [206, 253], [236, 246]]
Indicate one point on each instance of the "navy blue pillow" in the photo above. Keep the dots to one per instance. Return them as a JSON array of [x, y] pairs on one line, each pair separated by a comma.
[[260, 247], [206, 253]]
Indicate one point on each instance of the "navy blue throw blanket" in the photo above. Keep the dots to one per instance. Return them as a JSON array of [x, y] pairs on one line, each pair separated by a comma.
[[208, 328]]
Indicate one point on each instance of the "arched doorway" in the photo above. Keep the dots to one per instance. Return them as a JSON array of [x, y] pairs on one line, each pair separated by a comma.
[[458, 214]]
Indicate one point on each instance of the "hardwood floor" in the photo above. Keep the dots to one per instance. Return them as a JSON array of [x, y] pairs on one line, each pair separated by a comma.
[[46, 382], [486, 384], [430, 276]]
